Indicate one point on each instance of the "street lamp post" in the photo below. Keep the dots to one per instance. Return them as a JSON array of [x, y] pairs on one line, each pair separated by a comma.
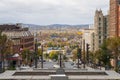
[[60, 61], [78, 63], [107, 66]]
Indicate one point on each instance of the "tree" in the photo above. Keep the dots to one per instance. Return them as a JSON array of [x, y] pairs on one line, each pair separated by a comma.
[[3, 42], [46, 55], [65, 58], [9, 52], [92, 57], [74, 52], [26, 55], [98, 55], [39, 52], [50, 44], [53, 55], [113, 44], [102, 56], [106, 55], [9, 47]]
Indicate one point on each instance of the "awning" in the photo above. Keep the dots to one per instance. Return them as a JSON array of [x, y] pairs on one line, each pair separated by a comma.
[[15, 57]]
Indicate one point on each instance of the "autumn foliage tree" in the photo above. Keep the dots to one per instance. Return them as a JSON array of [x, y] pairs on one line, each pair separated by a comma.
[[74, 52], [113, 44], [26, 56], [53, 55]]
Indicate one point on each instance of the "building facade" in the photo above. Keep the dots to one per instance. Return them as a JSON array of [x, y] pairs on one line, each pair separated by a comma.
[[114, 19], [21, 37], [92, 41], [101, 28], [87, 37]]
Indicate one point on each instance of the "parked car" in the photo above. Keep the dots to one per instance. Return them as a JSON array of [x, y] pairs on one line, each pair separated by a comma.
[[24, 67], [56, 66], [72, 63], [75, 66], [43, 60]]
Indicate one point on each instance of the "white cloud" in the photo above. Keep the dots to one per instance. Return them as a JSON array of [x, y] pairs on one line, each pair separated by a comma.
[[50, 11]]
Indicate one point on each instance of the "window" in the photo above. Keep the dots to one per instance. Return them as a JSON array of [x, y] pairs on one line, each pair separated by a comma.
[[99, 41], [99, 37], [99, 28], [99, 24], [99, 19], [99, 32], [16, 42]]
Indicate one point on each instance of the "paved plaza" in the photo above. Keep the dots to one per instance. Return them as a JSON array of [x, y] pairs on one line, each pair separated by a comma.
[[49, 72], [111, 75]]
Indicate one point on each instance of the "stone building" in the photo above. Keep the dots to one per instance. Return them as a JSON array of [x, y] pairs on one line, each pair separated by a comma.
[[101, 28]]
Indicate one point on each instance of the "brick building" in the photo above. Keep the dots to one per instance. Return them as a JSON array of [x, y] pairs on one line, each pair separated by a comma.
[[21, 37], [114, 19]]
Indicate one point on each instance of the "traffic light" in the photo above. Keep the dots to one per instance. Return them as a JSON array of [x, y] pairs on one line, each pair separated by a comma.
[[88, 46], [79, 52]]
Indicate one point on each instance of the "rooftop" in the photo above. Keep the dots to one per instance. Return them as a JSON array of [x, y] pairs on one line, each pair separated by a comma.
[[15, 34], [12, 27]]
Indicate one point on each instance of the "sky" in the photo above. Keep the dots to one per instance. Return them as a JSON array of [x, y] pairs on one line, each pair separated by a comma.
[[44, 12]]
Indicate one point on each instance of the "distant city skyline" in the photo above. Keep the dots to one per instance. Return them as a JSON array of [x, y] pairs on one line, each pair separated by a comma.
[[45, 12]]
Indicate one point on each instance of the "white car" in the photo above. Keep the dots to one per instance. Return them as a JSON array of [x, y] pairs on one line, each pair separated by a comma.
[[56, 66], [75, 66], [24, 67]]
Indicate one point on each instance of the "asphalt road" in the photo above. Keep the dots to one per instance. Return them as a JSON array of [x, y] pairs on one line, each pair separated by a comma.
[[50, 65]]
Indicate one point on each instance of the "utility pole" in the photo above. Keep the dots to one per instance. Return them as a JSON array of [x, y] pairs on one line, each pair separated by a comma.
[[42, 57], [78, 55], [36, 50], [60, 61], [87, 53], [78, 59], [1, 66], [84, 53]]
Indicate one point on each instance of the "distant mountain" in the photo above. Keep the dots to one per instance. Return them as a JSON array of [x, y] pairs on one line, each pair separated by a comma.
[[31, 25], [59, 25], [56, 26]]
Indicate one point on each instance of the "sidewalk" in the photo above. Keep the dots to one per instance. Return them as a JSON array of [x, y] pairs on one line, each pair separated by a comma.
[[93, 69]]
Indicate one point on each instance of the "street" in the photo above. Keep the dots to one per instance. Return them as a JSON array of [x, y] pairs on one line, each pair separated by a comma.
[[50, 65]]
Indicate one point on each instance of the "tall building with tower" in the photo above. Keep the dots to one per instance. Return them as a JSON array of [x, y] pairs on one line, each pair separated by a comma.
[[114, 19], [101, 28]]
